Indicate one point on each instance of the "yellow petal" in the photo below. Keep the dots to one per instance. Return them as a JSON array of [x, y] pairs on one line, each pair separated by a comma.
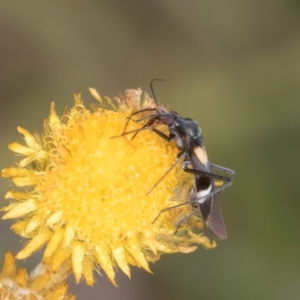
[[54, 242], [20, 149], [201, 239], [77, 258], [24, 162], [134, 248], [60, 256], [24, 181], [54, 218], [54, 121], [21, 209], [9, 267], [69, 236], [119, 254], [22, 278], [16, 195], [110, 102], [29, 139], [96, 95], [150, 242], [38, 241], [12, 172], [104, 260], [9, 207], [36, 221], [77, 99], [87, 270], [19, 228], [58, 293]]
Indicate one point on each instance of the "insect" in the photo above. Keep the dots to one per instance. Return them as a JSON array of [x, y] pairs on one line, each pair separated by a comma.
[[188, 137]]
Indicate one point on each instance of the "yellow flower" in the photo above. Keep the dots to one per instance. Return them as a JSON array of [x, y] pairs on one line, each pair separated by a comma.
[[85, 194], [41, 284]]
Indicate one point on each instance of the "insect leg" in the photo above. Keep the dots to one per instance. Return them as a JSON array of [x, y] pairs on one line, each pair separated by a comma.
[[185, 220], [198, 172], [223, 169], [139, 112], [169, 208], [161, 134], [228, 180], [167, 172], [215, 192]]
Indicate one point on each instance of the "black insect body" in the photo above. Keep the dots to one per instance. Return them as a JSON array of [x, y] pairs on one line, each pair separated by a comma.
[[187, 134], [204, 197]]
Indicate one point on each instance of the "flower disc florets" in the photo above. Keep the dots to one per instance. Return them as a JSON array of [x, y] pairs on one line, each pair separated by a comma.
[[84, 191]]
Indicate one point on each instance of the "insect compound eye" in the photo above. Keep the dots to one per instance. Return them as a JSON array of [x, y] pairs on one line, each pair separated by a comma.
[[168, 119]]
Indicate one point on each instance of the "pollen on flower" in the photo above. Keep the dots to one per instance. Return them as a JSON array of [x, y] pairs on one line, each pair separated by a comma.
[[83, 192], [41, 284]]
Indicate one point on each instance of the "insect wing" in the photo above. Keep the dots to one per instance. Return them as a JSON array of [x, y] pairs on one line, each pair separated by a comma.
[[212, 214], [210, 208]]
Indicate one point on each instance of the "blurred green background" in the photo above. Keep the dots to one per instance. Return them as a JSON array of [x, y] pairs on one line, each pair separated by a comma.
[[234, 66]]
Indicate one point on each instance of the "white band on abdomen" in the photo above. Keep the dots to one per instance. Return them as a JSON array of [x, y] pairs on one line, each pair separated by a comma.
[[202, 194]]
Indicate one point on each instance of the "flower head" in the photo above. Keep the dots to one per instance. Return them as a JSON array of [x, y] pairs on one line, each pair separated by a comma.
[[85, 194], [42, 283]]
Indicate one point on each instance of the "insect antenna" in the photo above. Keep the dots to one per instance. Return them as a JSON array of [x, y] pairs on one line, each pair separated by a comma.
[[152, 89]]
